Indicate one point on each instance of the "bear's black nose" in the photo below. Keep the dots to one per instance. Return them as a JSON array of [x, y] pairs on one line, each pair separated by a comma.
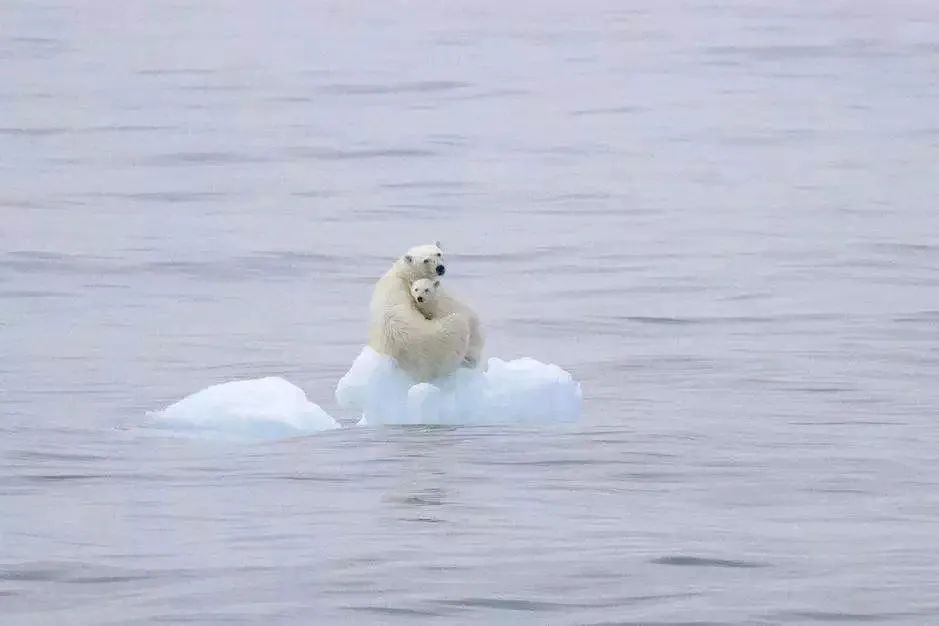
[[420, 298], [441, 270]]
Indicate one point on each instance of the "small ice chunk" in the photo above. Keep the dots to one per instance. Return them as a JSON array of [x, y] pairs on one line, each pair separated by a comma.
[[423, 404], [262, 408]]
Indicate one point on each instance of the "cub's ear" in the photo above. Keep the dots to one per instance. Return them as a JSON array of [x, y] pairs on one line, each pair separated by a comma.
[[436, 283], [408, 258], [437, 243]]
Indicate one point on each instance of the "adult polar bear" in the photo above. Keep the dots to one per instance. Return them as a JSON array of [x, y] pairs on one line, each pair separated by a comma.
[[425, 349]]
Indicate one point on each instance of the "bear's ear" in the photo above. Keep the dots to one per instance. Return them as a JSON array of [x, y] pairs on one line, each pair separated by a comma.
[[408, 258], [436, 283], [437, 243]]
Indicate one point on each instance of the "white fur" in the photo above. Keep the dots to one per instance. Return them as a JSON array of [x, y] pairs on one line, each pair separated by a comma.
[[424, 294], [425, 349], [434, 303], [446, 304]]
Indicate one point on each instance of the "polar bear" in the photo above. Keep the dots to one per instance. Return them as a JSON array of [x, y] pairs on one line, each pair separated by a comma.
[[425, 349], [433, 304]]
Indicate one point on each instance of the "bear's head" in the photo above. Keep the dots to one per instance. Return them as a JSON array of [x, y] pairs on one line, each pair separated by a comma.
[[424, 290], [423, 262]]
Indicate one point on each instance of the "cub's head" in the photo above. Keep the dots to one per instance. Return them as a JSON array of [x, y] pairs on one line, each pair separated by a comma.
[[423, 261], [424, 291]]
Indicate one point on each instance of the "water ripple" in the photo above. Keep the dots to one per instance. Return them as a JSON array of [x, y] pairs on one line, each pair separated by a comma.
[[427, 86], [693, 561]]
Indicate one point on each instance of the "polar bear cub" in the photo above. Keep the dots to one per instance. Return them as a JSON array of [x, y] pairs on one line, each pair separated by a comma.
[[433, 303], [424, 293]]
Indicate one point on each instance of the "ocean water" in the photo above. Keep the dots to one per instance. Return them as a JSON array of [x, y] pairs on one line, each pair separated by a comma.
[[719, 215]]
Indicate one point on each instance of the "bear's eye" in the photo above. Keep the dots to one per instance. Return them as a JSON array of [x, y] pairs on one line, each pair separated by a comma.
[[426, 260], [438, 254]]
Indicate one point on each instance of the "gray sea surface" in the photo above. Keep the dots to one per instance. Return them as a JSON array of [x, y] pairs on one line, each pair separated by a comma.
[[721, 216]]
